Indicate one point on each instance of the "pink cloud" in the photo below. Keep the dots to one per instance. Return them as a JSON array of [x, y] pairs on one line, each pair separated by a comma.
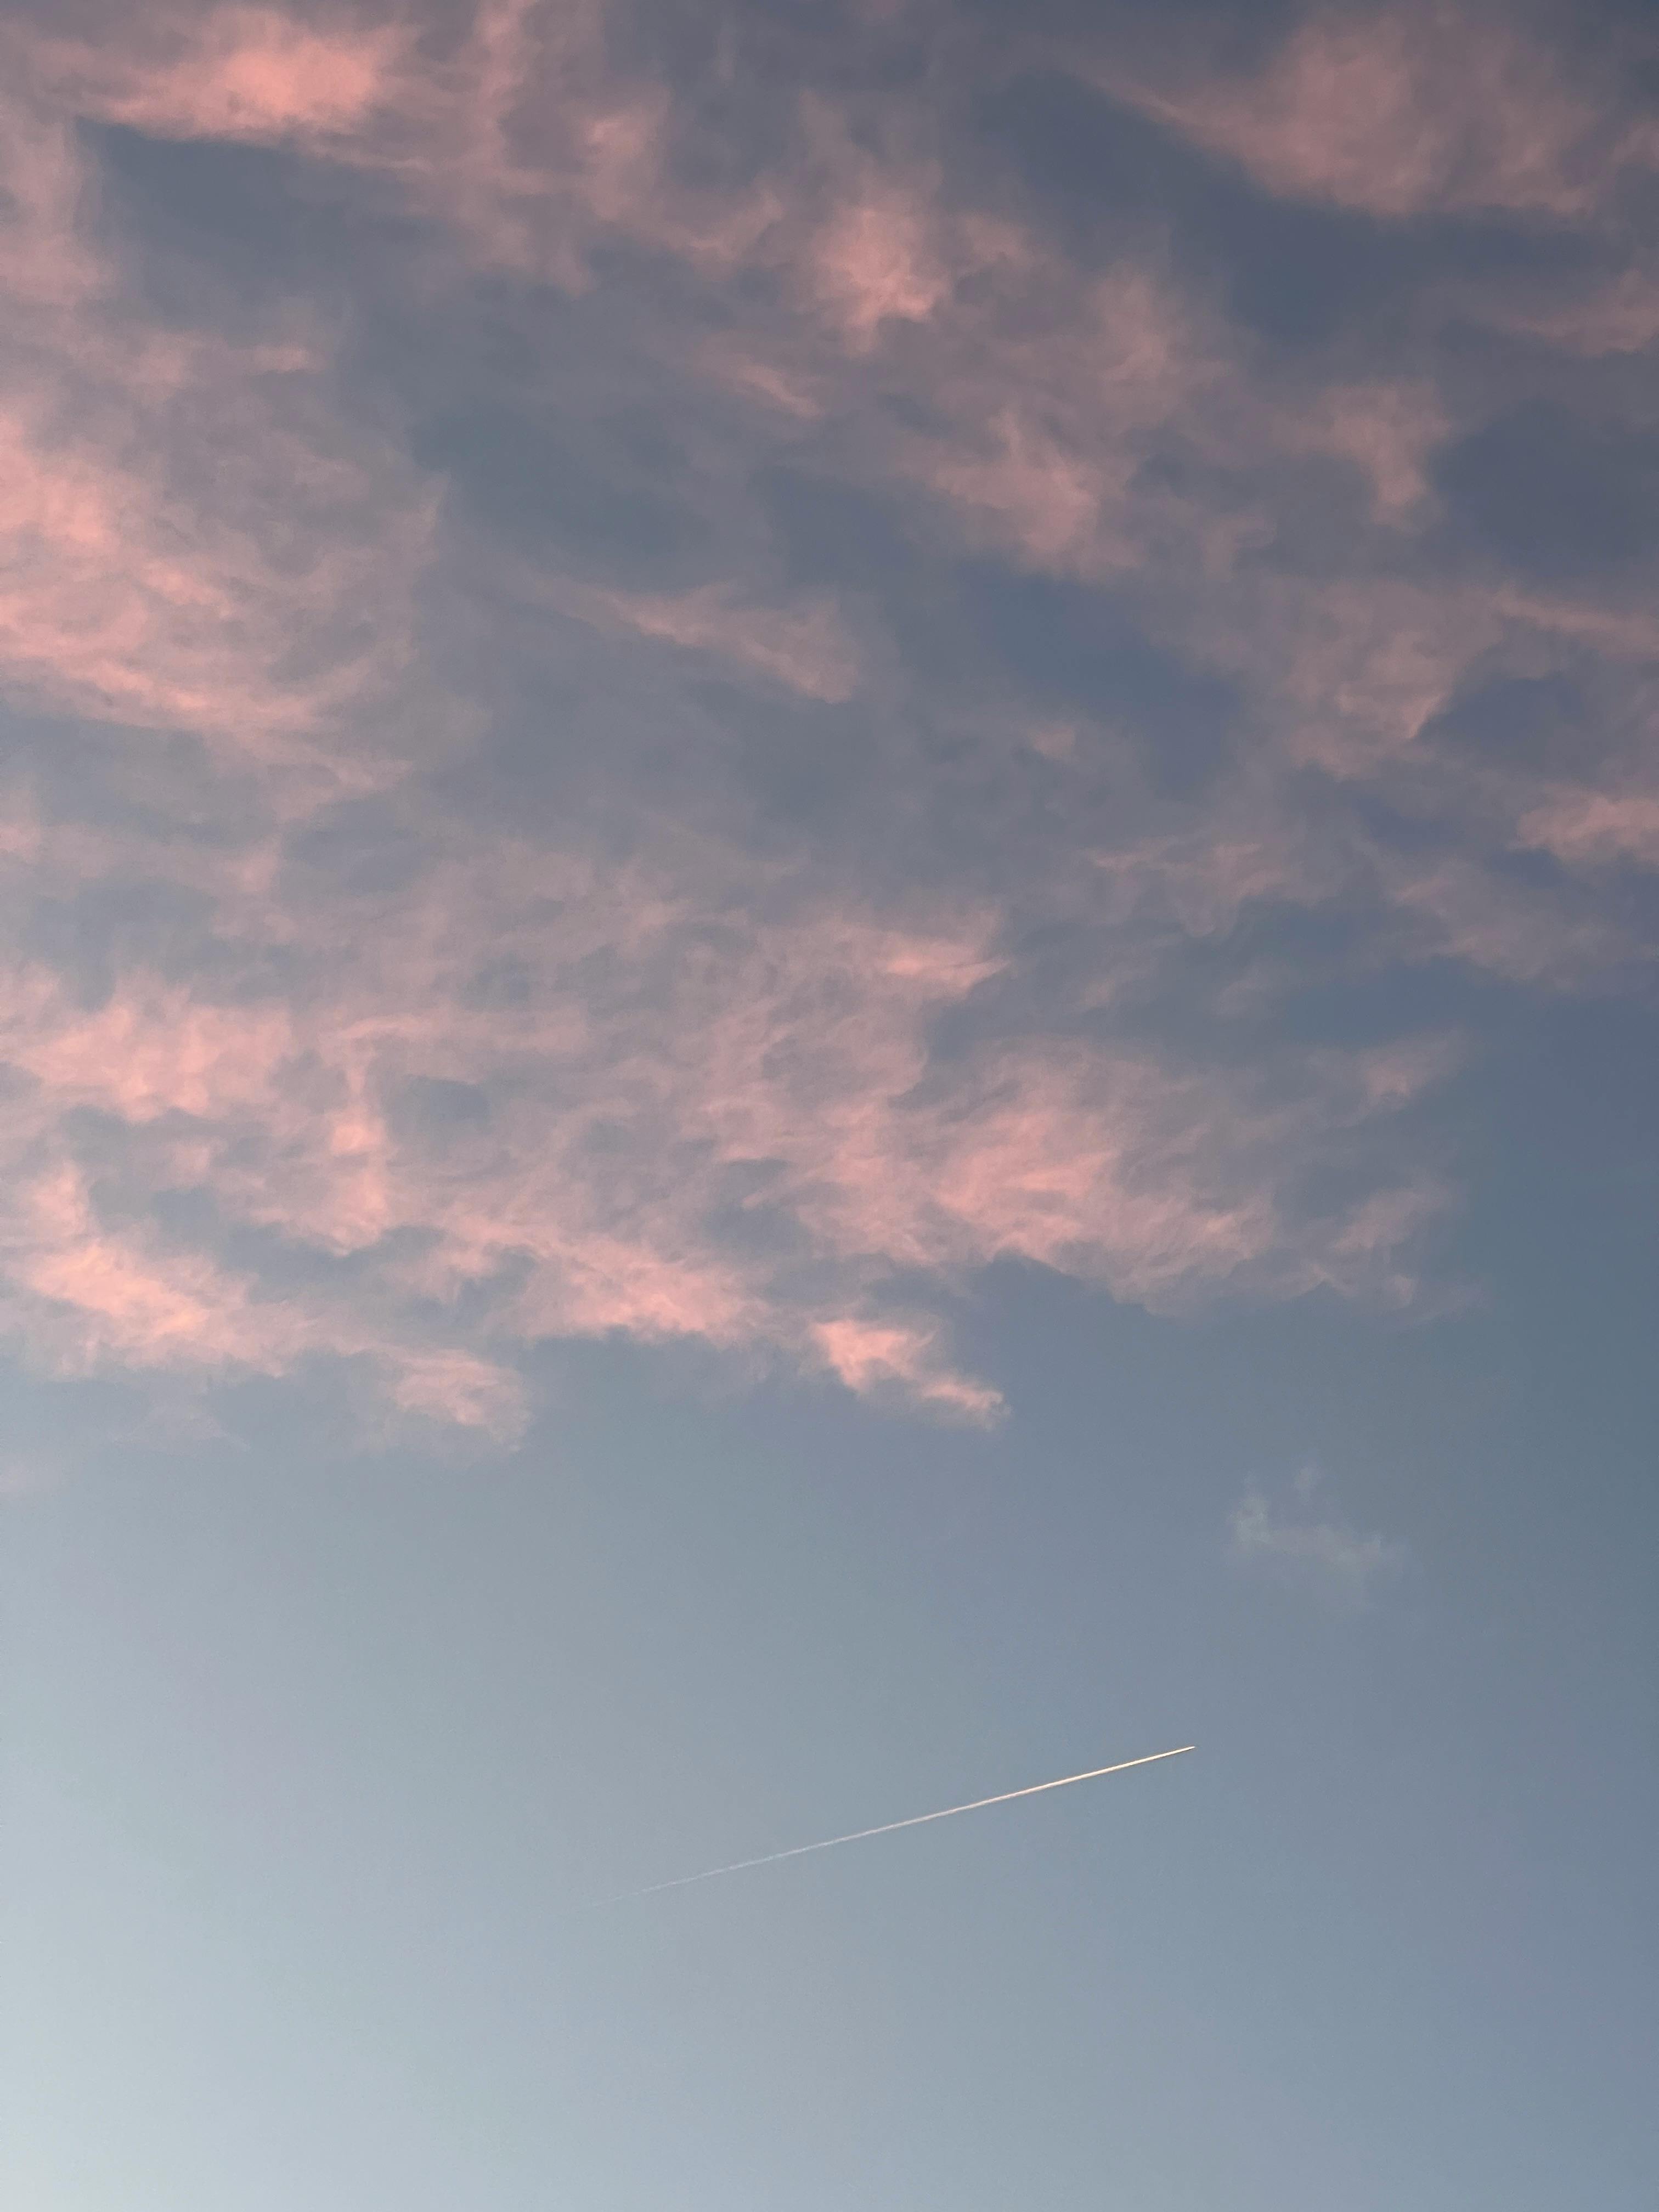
[[807, 647], [1357, 666], [1595, 829], [786, 1105], [745, 371], [1462, 908], [1153, 1181], [130, 597], [868, 1356], [529, 141], [188, 538], [1052, 397], [46, 265], [1407, 111], [1620, 316], [1387, 430], [1044, 499], [1203, 879], [1613, 627], [459, 1389], [154, 1051], [235, 73], [90, 1296], [872, 263], [795, 1055], [518, 135]]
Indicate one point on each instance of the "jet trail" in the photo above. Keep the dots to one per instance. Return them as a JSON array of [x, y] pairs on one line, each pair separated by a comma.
[[889, 1827]]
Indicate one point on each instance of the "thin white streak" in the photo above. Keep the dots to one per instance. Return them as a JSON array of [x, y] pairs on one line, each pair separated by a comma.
[[916, 1820]]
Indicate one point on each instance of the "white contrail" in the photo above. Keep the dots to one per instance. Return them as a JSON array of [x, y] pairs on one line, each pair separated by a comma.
[[916, 1820]]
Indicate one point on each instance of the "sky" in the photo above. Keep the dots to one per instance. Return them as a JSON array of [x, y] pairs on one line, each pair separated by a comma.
[[828, 839]]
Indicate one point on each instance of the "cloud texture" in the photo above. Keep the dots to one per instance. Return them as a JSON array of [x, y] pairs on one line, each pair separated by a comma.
[[1302, 1539], [693, 678]]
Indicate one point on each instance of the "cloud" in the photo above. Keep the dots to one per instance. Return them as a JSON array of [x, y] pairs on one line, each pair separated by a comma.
[[191, 535], [806, 647], [1409, 111], [232, 73], [1616, 314], [868, 1355], [1048, 408], [744, 1136], [717, 725], [871, 263], [1295, 1540], [1386, 430], [1595, 828]]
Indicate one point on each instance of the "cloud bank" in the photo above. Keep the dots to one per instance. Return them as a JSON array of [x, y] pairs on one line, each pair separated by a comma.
[[694, 680]]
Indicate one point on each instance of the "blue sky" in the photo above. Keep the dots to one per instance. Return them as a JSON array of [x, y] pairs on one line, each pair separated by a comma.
[[828, 840]]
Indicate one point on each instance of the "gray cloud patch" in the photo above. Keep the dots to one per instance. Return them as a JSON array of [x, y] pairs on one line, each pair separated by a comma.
[[1300, 1536]]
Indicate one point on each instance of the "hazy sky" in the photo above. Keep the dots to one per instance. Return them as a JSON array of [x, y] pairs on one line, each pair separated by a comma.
[[828, 840]]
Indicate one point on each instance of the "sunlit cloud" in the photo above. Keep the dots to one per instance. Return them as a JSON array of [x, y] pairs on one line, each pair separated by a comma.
[[809, 734], [1412, 110]]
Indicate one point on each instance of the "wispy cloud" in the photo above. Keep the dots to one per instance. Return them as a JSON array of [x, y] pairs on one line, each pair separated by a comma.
[[719, 722], [806, 647], [1300, 1535], [1412, 110]]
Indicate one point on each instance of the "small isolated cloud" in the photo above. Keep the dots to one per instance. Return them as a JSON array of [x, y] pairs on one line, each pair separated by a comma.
[[1299, 1537]]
